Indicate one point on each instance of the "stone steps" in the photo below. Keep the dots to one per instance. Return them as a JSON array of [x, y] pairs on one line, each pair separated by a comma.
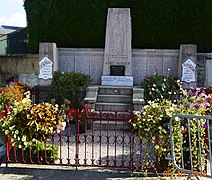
[[114, 98], [110, 98], [112, 106], [112, 90]]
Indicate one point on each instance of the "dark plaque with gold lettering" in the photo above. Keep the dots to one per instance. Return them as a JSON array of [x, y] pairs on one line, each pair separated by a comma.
[[116, 70]]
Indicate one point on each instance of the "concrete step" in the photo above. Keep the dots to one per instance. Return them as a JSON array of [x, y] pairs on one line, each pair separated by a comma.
[[114, 98], [119, 90], [113, 106]]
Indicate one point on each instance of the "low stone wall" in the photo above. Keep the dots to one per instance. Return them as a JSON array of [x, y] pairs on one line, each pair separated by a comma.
[[90, 61], [145, 62], [15, 65]]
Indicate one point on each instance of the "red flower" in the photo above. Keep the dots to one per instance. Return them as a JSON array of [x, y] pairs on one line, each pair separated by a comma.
[[72, 112]]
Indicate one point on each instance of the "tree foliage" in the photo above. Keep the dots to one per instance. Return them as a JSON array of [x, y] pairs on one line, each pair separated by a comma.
[[155, 24]]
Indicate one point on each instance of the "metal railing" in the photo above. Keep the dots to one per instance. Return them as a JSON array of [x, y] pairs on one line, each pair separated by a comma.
[[191, 150], [105, 139]]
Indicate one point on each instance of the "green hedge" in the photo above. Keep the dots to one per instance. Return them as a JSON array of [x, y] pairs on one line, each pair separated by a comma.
[[155, 24]]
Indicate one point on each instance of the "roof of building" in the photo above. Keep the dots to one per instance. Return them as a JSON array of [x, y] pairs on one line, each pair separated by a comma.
[[8, 29]]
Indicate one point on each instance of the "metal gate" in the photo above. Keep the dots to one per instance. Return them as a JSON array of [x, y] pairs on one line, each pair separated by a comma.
[[105, 139], [194, 162]]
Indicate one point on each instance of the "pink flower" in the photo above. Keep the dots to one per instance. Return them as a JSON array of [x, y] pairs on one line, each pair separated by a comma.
[[198, 89], [190, 91]]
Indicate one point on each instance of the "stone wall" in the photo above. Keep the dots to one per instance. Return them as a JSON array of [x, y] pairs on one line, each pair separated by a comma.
[[145, 62], [90, 61], [25, 66]]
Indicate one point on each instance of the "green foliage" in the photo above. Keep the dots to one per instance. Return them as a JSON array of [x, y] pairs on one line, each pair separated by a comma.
[[158, 87], [28, 123], [66, 86], [38, 151], [155, 24], [152, 125]]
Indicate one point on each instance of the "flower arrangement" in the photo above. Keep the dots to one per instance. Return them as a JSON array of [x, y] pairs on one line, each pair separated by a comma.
[[27, 123], [152, 122], [11, 93]]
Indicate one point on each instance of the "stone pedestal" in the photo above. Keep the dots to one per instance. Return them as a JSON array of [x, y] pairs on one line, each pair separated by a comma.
[[91, 96], [138, 99]]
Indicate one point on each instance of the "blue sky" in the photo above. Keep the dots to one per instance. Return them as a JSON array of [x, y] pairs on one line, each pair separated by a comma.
[[12, 13]]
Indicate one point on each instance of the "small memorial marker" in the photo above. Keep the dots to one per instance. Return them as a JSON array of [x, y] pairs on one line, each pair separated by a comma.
[[188, 72], [45, 66]]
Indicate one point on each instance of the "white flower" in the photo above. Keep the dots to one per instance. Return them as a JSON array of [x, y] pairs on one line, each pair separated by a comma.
[[64, 125], [154, 85], [159, 127], [23, 138]]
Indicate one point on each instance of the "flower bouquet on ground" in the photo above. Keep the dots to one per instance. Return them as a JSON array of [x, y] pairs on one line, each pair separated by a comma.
[[81, 117]]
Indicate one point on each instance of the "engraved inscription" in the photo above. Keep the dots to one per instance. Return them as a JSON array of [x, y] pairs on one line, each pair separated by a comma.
[[117, 70]]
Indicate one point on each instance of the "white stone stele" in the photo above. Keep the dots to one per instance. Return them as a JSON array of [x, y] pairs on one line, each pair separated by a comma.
[[188, 72], [45, 66], [117, 80]]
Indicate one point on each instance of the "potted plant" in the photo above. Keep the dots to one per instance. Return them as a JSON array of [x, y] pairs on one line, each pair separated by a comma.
[[151, 123], [27, 123], [11, 93]]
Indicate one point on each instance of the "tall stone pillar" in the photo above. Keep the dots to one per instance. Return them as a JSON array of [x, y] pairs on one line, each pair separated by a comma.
[[187, 65], [117, 66], [48, 63]]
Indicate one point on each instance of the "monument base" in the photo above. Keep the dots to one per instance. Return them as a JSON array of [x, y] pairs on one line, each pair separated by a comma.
[[117, 80]]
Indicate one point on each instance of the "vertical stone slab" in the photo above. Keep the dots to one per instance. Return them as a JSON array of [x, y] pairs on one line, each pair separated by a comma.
[[208, 78], [96, 66], [155, 63], [82, 61], [66, 59], [118, 40], [188, 56], [139, 58], [48, 50]]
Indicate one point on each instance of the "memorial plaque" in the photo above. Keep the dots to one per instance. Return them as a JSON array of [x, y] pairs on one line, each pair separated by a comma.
[[45, 66], [117, 70], [188, 72]]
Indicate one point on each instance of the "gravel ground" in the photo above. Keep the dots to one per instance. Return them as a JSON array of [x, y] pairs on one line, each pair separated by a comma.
[[111, 147]]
